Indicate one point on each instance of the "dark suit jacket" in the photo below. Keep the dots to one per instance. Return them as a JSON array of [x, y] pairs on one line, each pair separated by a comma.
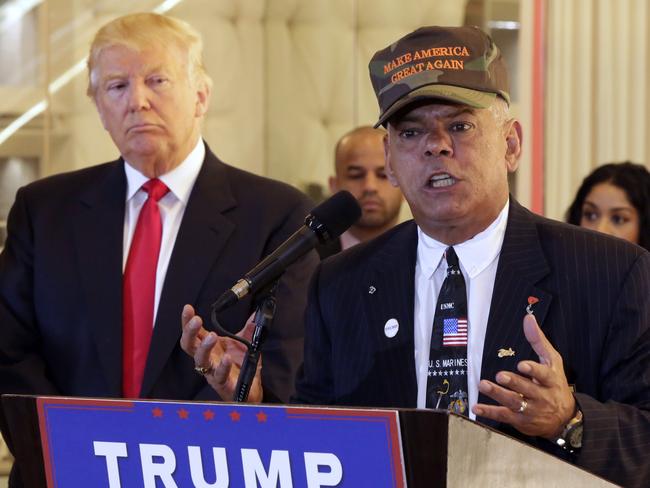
[[330, 248], [594, 306], [61, 281]]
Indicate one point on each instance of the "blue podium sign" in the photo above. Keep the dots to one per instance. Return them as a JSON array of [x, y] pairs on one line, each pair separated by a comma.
[[123, 444]]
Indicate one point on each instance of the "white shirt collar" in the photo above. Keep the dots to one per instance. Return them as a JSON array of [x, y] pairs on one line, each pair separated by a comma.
[[180, 180], [348, 240], [474, 255]]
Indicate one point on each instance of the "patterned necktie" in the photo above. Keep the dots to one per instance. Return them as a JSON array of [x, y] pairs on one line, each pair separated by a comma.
[[447, 375], [139, 287]]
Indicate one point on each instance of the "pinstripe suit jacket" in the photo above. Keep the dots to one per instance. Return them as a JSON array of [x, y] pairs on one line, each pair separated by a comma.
[[594, 307]]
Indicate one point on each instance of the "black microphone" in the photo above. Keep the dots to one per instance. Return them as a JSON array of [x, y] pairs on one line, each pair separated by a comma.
[[325, 222]]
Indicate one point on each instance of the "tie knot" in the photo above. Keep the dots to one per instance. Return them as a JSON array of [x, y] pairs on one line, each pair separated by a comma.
[[451, 258], [155, 188]]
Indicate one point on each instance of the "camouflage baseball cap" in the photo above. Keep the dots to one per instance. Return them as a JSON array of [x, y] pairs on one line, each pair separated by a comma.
[[460, 64]]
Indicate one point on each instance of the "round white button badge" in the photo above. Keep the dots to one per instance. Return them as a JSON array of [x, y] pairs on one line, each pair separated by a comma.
[[391, 328]]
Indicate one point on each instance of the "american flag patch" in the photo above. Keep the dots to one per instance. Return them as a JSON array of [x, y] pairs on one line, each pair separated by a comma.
[[454, 332]]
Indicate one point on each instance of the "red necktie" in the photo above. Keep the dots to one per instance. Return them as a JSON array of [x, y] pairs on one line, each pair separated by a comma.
[[139, 288]]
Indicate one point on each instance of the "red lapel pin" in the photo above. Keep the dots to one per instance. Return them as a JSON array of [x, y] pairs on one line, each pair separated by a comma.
[[531, 301]]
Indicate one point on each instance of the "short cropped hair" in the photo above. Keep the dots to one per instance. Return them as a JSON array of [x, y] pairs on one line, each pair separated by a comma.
[[357, 131], [137, 31], [633, 179]]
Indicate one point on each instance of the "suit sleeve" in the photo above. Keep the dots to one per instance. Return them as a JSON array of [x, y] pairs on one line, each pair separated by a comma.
[[22, 368], [283, 350], [616, 439], [314, 385]]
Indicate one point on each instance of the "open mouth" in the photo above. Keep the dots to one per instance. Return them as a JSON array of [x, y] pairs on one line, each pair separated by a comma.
[[441, 180]]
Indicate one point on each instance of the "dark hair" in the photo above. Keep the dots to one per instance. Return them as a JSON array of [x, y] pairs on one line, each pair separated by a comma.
[[633, 179]]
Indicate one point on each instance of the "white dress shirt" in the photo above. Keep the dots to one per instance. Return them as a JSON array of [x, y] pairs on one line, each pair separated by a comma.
[[478, 259], [348, 240], [180, 182]]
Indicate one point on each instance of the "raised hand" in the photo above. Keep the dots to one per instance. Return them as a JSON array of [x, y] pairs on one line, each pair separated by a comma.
[[218, 359], [537, 402]]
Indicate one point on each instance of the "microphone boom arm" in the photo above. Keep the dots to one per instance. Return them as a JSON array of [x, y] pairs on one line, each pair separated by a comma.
[[263, 320], [264, 315]]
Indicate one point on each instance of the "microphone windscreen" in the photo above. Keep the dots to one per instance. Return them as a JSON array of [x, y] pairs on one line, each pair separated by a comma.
[[337, 213]]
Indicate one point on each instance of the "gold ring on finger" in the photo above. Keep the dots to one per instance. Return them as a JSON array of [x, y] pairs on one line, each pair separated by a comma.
[[523, 406], [203, 370]]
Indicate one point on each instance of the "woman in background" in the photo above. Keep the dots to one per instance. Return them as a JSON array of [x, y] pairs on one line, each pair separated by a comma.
[[615, 199]]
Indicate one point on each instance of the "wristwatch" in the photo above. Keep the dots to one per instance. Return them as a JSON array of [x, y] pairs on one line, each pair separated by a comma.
[[571, 437]]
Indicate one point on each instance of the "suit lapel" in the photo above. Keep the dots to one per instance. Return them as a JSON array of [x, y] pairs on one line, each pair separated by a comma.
[[202, 234], [388, 293], [98, 243], [522, 264]]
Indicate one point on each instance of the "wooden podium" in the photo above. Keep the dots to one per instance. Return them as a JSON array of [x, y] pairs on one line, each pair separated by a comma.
[[53, 440], [470, 454]]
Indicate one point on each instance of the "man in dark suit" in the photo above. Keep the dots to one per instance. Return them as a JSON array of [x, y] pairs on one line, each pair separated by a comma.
[[71, 237], [555, 324], [359, 169]]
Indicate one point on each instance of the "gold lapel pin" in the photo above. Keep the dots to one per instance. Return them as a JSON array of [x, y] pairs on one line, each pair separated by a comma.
[[505, 352]]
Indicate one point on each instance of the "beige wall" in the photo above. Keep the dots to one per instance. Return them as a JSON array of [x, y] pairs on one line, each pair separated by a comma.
[[318, 86], [290, 77]]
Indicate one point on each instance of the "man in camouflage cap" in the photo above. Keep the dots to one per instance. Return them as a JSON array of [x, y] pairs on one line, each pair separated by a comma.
[[551, 349], [545, 348]]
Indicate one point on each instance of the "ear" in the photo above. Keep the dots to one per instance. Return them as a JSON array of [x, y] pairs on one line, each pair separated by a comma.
[[388, 167], [514, 138], [202, 99], [333, 184]]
